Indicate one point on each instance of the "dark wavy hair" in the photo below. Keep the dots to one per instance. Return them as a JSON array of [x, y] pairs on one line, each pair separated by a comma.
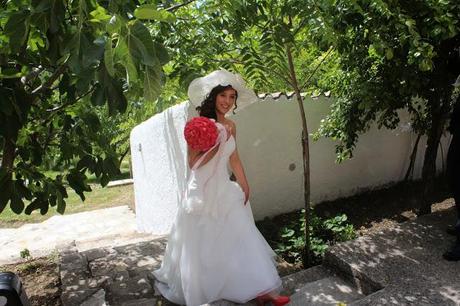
[[208, 106]]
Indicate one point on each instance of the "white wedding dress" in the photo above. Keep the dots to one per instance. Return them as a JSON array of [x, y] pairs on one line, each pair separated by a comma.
[[214, 249]]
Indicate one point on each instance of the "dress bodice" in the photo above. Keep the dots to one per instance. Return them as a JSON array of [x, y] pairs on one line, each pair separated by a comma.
[[208, 183], [218, 165]]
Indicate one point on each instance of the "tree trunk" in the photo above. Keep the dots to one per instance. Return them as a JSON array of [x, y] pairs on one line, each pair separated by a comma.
[[413, 156], [306, 159], [9, 148], [429, 162]]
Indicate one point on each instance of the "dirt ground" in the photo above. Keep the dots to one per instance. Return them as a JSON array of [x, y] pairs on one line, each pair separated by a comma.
[[375, 210], [40, 278], [369, 211]]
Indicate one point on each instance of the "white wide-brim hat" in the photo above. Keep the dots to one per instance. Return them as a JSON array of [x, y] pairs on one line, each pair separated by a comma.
[[199, 88]]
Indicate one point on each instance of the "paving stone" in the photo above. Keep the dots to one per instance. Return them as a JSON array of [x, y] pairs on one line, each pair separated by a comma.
[[99, 281], [75, 297], [141, 272], [97, 253], [401, 265], [76, 231], [292, 283], [121, 276], [141, 302], [71, 277], [326, 291], [67, 247], [133, 288], [97, 299], [103, 266], [74, 259]]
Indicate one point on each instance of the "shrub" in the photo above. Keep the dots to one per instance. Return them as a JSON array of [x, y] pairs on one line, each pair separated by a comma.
[[323, 233]]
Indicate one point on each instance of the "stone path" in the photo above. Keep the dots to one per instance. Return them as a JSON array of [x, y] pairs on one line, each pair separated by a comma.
[[90, 229], [104, 261], [400, 266], [110, 276]]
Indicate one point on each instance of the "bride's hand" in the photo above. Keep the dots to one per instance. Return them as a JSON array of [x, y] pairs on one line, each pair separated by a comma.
[[246, 195]]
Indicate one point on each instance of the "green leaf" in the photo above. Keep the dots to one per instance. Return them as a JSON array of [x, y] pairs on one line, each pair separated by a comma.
[[161, 53], [92, 121], [56, 15], [108, 57], [149, 11], [425, 65], [389, 54], [114, 25], [41, 6], [113, 90], [34, 205], [152, 83], [16, 28], [140, 43], [99, 167], [110, 167], [99, 14], [123, 57], [10, 73], [44, 208], [86, 162], [76, 181], [85, 52], [98, 96], [60, 203], [104, 180]]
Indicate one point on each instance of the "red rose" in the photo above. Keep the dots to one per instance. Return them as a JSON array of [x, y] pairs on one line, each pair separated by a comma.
[[200, 133]]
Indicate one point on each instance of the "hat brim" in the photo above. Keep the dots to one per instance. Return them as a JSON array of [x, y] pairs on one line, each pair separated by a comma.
[[201, 87]]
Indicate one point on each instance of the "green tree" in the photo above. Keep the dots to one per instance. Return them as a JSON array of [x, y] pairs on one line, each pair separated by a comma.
[[59, 60], [266, 40], [393, 55]]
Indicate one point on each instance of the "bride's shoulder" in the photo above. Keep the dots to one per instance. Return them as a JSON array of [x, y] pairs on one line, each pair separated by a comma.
[[231, 125]]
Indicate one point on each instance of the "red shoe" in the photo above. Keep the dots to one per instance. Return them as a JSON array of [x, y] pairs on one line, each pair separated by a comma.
[[279, 300]]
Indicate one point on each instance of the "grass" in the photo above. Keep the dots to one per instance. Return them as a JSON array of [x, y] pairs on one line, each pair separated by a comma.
[[97, 199], [124, 169]]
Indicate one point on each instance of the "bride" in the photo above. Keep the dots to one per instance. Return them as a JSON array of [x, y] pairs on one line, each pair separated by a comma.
[[214, 249]]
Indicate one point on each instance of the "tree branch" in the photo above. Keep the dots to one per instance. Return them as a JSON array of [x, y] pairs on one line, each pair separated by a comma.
[[175, 7], [48, 138], [316, 68], [57, 73], [58, 108], [280, 75], [123, 155]]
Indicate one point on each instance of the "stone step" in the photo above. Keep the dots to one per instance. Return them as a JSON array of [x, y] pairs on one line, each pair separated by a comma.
[[292, 283], [114, 240], [408, 253], [326, 291], [120, 183], [295, 281]]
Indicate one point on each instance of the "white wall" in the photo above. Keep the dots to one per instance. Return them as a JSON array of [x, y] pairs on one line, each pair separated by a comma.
[[268, 138]]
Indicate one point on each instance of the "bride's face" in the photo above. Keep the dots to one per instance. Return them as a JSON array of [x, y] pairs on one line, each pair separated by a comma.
[[225, 101]]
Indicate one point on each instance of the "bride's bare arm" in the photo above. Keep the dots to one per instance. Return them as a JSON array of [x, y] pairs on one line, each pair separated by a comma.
[[237, 167]]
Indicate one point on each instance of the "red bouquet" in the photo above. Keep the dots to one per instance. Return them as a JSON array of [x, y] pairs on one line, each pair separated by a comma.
[[201, 133]]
